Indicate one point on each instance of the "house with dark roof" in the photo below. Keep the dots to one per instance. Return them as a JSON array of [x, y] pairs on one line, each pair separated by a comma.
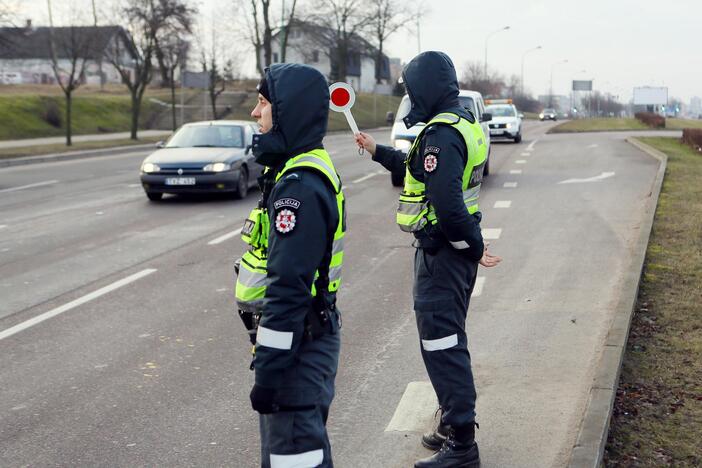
[[25, 52], [313, 44]]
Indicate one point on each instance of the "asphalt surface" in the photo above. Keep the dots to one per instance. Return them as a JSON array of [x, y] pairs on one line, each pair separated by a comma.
[[155, 372]]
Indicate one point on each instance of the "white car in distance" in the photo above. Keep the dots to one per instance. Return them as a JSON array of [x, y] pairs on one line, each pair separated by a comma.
[[506, 120]]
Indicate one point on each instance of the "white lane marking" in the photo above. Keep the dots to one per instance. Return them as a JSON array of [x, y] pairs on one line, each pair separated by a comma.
[[531, 145], [365, 177], [22, 187], [520, 161], [604, 175], [415, 412], [492, 233], [3, 226], [75, 303], [503, 204], [133, 185], [510, 185], [525, 154], [224, 237], [478, 288], [594, 145], [515, 171]]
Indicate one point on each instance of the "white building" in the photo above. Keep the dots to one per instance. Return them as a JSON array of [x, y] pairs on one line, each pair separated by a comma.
[[25, 53], [311, 44]]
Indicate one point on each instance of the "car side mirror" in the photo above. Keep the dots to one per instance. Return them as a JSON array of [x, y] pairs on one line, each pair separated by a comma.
[[390, 118], [248, 148], [486, 117], [160, 144], [521, 116]]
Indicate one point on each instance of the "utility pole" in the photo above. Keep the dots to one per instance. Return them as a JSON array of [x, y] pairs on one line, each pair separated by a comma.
[[419, 42], [485, 75], [521, 85]]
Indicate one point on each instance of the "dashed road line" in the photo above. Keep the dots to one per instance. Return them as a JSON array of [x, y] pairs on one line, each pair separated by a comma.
[[367, 176], [515, 171], [3, 226], [510, 185], [491, 233], [22, 187], [415, 412], [222, 238], [503, 204], [478, 288], [520, 161], [525, 154], [75, 303]]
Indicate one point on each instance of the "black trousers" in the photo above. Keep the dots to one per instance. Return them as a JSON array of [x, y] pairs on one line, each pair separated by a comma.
[[299, 438], [443, 283]]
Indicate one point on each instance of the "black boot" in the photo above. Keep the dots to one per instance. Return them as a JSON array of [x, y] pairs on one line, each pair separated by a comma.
[[435, 439], [459, 450]]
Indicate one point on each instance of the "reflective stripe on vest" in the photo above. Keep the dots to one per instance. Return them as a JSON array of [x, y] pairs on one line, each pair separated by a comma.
[[414, 211], [253, 281]]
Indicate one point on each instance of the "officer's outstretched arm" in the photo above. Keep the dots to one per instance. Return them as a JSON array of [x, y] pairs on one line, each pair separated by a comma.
[[445, 157], [391, 159], [299, 233]]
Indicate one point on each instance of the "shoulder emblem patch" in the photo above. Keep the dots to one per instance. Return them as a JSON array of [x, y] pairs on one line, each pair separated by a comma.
[[430, 162], [285, 221], [432, 149]]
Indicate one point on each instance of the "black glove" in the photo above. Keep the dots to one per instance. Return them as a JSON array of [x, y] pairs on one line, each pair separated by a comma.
[[262, 399]]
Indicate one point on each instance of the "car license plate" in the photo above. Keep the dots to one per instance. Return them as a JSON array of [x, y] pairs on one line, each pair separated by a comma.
[[180, 181], [495, 132]]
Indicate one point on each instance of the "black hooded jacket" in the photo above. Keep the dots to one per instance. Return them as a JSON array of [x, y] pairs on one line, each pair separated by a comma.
[[432, 86], [302, 212]]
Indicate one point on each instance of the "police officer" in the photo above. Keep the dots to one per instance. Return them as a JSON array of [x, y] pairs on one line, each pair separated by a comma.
[[443, 173], [290, 274]]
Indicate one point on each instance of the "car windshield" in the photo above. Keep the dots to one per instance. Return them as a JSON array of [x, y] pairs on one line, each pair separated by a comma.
[[468, 103], [208, 136], [549, 111], [501, 111]]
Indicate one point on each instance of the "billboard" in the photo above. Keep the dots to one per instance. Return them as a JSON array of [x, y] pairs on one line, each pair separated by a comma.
[[582, 85], [650, 96]]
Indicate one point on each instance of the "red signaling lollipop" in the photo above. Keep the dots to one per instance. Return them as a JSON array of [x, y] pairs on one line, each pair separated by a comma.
[[341, 99]]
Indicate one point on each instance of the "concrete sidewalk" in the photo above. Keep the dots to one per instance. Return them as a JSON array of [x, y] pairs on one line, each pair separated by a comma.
[[79, 138]]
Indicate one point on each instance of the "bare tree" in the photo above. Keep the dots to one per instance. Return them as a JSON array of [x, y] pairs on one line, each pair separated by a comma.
[[71, 48], [170, 18], [337, 26], [132, 55], [285, 32], [175, 54], [387, 18], [217, 72], [474, 78]]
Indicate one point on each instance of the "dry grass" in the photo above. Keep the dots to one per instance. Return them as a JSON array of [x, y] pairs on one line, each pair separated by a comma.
[[657, 418]]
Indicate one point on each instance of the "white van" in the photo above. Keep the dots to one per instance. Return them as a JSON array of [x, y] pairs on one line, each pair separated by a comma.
[[402, 138]]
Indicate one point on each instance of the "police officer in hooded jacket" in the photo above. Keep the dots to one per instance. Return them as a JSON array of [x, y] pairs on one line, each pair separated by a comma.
[[439, 206], [292, 271]]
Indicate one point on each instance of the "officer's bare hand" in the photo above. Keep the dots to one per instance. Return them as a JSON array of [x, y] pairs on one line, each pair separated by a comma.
[[367, 142], [489, 260]]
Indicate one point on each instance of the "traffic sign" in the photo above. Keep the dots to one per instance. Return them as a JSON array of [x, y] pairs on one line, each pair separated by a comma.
[[341, 99]]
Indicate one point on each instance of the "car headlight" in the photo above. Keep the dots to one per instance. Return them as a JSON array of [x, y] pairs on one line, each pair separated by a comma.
[[217, 167], [509, 125], [402, 144], [149, 168], [541, 116]]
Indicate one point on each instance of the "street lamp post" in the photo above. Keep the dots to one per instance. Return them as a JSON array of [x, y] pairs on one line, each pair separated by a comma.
[[522, 77], [486, 44], [550, 92]]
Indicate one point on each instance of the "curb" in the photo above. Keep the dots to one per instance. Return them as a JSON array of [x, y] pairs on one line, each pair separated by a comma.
[[22, 161], [589, 447]]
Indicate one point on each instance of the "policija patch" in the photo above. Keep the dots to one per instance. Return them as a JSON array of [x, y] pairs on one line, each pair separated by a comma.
[[285, 221], [430, 162]]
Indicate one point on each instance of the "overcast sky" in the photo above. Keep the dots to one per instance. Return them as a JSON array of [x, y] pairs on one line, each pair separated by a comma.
[[618, 43]]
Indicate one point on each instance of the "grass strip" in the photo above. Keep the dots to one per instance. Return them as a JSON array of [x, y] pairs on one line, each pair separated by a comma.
[[657, 417], [598, 125], [77, 146]]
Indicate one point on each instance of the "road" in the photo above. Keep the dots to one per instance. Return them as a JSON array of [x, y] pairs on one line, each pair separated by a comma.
[[120, 345]]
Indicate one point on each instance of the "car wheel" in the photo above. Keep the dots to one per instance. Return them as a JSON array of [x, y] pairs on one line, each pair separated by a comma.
[[397, 179], [242, 185], [518, 138], [154, 196]]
